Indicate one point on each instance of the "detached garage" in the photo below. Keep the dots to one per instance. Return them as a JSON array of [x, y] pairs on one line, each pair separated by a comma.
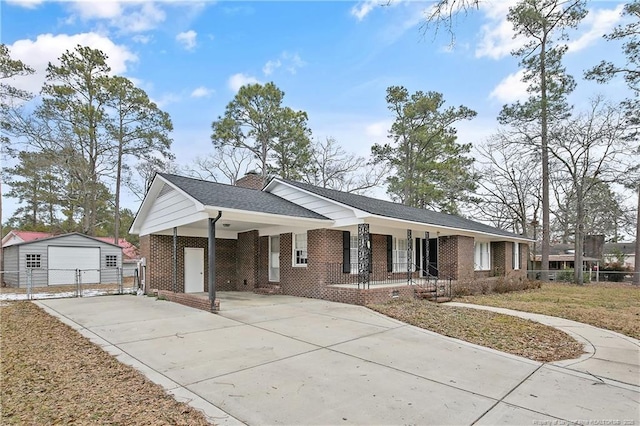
[[56, 260]]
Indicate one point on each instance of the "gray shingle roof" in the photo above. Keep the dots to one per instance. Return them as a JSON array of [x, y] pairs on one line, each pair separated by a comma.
[[235, 197], [400, 211]]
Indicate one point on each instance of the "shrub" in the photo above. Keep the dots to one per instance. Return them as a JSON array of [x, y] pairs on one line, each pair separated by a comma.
[[565, 275], [461, 289], [613, 272]]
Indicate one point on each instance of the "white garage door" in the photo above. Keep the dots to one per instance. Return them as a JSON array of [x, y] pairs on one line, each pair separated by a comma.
[[63, 262]]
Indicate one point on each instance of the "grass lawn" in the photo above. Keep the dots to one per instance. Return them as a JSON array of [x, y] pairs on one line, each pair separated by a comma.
[[50, 374], [611, 306], [505, 333]]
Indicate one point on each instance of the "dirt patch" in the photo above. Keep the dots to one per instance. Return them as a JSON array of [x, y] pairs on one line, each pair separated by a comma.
[[505, 333], [50, 374], [610, 306]]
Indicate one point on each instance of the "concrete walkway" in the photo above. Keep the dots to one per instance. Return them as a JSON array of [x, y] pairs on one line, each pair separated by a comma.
[[608, 355], [286, 360]]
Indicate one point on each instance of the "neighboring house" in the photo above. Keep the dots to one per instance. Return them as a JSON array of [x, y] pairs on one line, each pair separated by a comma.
[[307, 240], [17, 237], [562, 256], [558, 262], [612, 251], [54, 260]]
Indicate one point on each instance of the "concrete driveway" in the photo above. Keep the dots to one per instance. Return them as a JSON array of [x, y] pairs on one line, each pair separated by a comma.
[[286, 360]]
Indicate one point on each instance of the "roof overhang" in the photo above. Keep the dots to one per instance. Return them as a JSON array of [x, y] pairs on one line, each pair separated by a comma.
[[441, 230], [232, 221]]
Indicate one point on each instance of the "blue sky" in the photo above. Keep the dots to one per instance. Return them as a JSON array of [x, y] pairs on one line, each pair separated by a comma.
[[333, 59]]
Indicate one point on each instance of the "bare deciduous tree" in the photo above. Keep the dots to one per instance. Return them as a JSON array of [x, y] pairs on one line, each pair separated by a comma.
[[587, 148], [226, 164], [332, 167]]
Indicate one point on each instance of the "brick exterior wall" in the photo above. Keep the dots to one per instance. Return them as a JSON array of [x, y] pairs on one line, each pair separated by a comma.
[[455, 257], [191, 300], [500, 261], [247, 257], [263, 261], [158, 250], [355, 296], [323, 246]]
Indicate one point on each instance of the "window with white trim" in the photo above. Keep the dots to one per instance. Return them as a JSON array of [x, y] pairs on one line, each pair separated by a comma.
[[111, 261], [482, 256], [516, 256], [300, 249], [399, 254], [353, 253], [33, 261]]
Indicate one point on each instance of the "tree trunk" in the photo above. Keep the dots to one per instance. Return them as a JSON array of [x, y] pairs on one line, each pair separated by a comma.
[[636, 269], [546, 237], [578, 273], [116, 215]]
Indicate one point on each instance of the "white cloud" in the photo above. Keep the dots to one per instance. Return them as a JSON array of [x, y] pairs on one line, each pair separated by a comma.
[[187, 39], [497, 39], [270, 66], [28, 4], [166, 99], [236, 81], [511, 89], [378, 130], [97, 10], [127, 16], [201, 92], [363, 8], [292, 62], [600, 22], [48, 48], [142, 39], [497, 36]]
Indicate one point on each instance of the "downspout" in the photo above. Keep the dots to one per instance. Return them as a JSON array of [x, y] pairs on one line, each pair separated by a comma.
[[212, 260], [174, 272]]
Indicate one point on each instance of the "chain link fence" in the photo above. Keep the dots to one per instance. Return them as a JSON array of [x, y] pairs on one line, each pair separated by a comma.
[[36, 283], [590, 276]]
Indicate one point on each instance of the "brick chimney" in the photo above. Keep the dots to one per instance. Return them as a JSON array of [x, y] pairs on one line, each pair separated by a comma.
[[251, 180]]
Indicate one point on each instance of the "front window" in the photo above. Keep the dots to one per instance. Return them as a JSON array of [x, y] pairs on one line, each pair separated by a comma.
[[400, 254], [516, 256], [33, 261], [353, 254], [482, 260], [300, 250]]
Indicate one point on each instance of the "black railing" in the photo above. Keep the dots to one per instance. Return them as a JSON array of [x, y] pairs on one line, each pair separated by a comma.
[[387, 274]]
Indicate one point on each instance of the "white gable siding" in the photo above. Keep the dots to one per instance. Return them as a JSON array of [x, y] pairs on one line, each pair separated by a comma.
[[168, 211], [319, 205]]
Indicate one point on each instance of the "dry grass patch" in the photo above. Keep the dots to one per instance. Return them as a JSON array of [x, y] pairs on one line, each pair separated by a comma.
[[505, 333], [611, 306], [50, 374]]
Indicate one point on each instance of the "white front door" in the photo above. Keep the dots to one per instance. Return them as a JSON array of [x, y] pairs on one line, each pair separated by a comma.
[[274, 258], [193, 270]]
